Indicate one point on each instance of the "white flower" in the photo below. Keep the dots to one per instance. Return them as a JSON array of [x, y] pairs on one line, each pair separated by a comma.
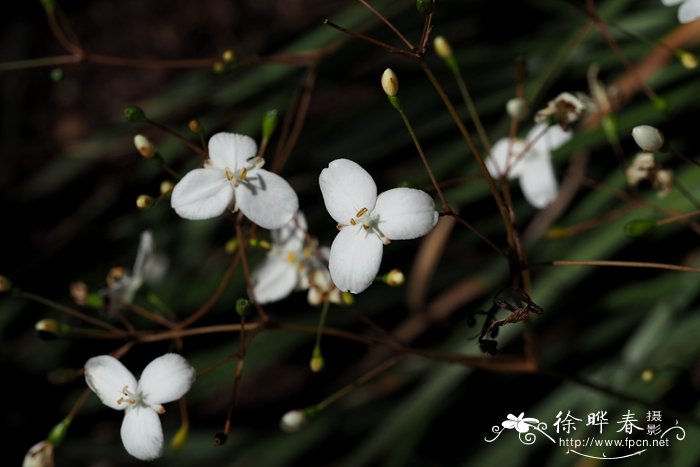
[[564, 109], [688, 11], [165, 379], [290, 265], [648, 138], [39, 455], [522, 425], [293, 421], [530, 161], [149, 267], [233, 174], [367, 222]]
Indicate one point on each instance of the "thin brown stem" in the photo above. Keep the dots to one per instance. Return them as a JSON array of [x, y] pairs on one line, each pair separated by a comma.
[[78, 404], [620, 264], [204, 330], [242, 243], [357, 35], [386, 21], [177, 135], [151, 316]]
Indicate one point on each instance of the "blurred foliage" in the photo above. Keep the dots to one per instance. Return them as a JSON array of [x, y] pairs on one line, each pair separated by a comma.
[[70, 177]]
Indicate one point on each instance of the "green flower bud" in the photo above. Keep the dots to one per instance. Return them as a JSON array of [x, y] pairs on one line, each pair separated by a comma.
[[134, 113], [425, 7], [58, 433], [57, 75], [639, 227], [269, 123], [243, 307]]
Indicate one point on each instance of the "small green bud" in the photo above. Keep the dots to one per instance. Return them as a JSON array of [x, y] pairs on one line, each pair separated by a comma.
[[57, 75], [58, 433], [347, 298], [687, 59], [94, 301], [609, 124], [269, 123], [220, 439], [49, 5], [243, 307], [317, 362], [166, 187], [228, 56], [648, 375], [178, 441], [425, 7], [134, 113], [219, 67], [639, 227], [231, 246], [660, 103], [194, 126]]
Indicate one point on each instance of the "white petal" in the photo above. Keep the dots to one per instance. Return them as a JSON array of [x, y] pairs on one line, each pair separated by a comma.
[[671, 2], [356, 255], [538, 183], [202, 194], [509, 424], [142, 433], [689, 11], [231, 150], [548, 139], [274, 279], [165, 379], [107, 377], [522, 427], [499, 161], [347, 188], [405, 213], [291, 236], [144, 254], [267, 199]]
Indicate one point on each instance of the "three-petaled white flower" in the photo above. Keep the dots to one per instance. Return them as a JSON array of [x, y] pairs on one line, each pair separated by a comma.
[[291, 265], [165, 379], [234, 174], [148, 268], [530, 161], [688, 11], [367, 222], [522, 425]]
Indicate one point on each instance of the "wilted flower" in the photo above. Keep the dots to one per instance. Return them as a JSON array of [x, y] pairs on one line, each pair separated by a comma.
[[39, 455], [165, 379], [564, 109], [233, 174], [149, 267], [367, 222], [530, 161]]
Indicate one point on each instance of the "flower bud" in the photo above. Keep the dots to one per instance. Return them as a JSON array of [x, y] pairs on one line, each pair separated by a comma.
[[144, 201], [5, 284], [687, 59], [94, 301], [394, 278], [293, 421], [47, 329], [317, 363], [166, 187], [228, 56], [58, 433], [219, 67], [648, 138], [220, 438], [178, 441], [269, 123], [347, 298], [243, 307], [194, 126], [79, 292], [231, 246], [39, 455], [648, 375], [48, 5], [425, 7], [517, 108], [134, 113], [442, 47], [144, 146], [57, 75], [639, 227], [390, 83]]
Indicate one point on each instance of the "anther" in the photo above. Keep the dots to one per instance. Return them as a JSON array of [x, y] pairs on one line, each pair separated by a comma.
[[291, 257], [352, 221], [361, 212], [243, 174]]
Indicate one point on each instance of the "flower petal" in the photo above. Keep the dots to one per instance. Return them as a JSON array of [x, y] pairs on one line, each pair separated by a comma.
[[547, 139], [405, 213], [689, 11], [538, 183], [143, 255], [509, 424], [506, 155], [292, 235], [202, 194], [107, 377], [165, 379], [274, 279], [671, 2], [347, 188], [522, 427], [142, 433], [231, 150], [267, 199], [356, 255]]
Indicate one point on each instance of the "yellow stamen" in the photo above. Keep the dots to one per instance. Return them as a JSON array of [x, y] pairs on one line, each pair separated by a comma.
[[243, 174], [291, 257], [353, 222], [361, 212], [229, 174]]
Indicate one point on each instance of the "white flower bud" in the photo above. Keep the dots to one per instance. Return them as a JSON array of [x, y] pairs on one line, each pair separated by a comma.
[[442, 47], [144, 146], [39, 455], [394, 278], [293, 421], [390, 83], [517, 108], [639, 168], [648, 138]]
